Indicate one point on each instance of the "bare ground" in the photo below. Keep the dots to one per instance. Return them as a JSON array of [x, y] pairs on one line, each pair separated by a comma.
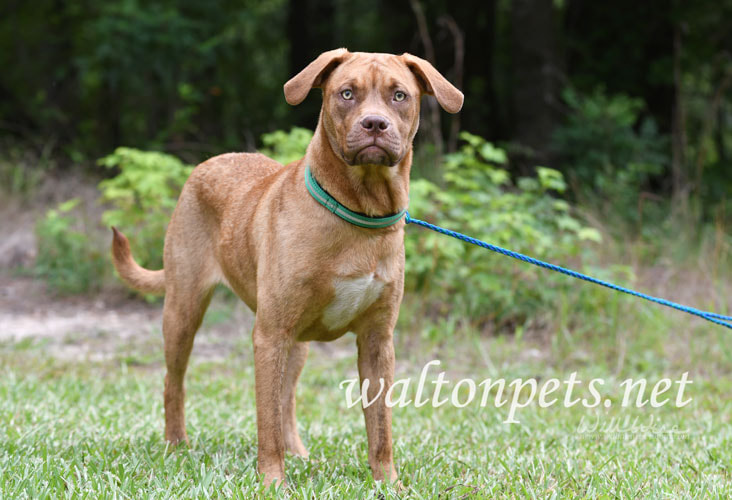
[[115, 326], [105, 326]]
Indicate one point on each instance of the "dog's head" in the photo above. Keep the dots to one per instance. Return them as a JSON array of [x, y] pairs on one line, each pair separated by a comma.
[[371, 102]]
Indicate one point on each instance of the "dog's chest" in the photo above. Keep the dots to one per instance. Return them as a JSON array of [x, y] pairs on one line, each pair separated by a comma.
[[352, 297]]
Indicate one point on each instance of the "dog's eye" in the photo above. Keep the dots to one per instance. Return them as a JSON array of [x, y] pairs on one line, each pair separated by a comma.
[[399, 96], [347, 94]]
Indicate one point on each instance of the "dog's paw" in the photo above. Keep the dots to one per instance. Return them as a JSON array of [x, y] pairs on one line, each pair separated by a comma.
[[294, 445], [299, 451], [274, 478], [176, 439]]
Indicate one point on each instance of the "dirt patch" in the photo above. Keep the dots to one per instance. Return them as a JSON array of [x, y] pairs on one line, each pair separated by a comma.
[[27, 310], [105, 326], [114, 326]]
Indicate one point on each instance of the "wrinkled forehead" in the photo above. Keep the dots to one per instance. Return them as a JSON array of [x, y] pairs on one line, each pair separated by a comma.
[[367, 70]]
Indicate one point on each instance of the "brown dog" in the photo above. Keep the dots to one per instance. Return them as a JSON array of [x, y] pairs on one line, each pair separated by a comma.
[[248, 222]]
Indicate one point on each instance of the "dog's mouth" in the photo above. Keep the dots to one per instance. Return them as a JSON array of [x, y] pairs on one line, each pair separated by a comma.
[[372, 153]]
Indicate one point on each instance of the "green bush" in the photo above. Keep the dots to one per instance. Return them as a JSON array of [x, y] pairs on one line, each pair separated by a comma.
[[286, 147], [142, 198], [608, 151], [480, 199], [73, 257], [67, 259]]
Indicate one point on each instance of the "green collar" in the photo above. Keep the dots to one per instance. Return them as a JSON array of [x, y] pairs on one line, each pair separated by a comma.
[[322, 197]]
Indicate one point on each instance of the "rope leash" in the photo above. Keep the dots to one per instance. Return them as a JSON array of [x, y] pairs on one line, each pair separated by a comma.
[[719, 319]]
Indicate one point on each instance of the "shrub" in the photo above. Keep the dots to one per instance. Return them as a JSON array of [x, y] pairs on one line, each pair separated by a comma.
[[67, 259], [286, 147], [480, 199], [142, 198], [606, 147]]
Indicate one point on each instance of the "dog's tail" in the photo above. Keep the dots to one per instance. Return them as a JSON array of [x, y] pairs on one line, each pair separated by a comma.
[[131, 272]]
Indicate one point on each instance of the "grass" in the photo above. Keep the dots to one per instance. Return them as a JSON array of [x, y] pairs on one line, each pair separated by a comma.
[[94, 429]]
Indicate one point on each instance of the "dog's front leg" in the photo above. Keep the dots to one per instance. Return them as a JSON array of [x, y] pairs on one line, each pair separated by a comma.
[[376, 364], [270, 353], [294, 365]]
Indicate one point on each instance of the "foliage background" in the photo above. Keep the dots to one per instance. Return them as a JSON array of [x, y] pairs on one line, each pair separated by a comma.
[[194, 79]]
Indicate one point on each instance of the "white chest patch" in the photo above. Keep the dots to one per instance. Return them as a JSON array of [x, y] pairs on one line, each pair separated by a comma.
[[352, 297]]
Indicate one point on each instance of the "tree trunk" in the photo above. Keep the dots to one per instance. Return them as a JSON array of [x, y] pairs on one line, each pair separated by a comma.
[[535, 76], [678, 128]]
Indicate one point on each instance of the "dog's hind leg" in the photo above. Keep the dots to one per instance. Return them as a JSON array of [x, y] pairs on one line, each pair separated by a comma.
[[295, 363], [191, 274], [182, 315]]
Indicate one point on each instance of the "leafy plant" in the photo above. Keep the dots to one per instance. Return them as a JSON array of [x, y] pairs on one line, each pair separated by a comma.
[[286, 147], [608, 150], [67, 258], [142, 198], [480, 199]]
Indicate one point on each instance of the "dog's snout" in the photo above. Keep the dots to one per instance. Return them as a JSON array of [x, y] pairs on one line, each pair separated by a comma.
[[375, 123]]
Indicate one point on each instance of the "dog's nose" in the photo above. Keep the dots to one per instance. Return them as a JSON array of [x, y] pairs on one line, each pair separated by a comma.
[[375, 123]]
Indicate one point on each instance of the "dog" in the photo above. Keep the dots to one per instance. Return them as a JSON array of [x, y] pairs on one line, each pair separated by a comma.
[[278, 237]]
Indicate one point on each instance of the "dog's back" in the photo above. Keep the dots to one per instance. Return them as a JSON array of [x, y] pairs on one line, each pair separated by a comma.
[[229, 177]]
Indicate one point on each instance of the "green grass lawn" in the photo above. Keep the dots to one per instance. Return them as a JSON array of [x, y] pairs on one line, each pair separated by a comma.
[[95, 430]]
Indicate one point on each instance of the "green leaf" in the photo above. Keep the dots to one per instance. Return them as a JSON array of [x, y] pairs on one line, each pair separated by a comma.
[[551, 179], [69, 205], [493, 154], [589, 233]]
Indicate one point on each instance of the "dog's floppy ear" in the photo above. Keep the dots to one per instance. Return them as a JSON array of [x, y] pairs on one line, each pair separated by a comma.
[[433, 83], [297, 88]]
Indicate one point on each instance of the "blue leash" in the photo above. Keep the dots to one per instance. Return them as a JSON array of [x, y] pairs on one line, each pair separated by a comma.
[[709, 316]]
